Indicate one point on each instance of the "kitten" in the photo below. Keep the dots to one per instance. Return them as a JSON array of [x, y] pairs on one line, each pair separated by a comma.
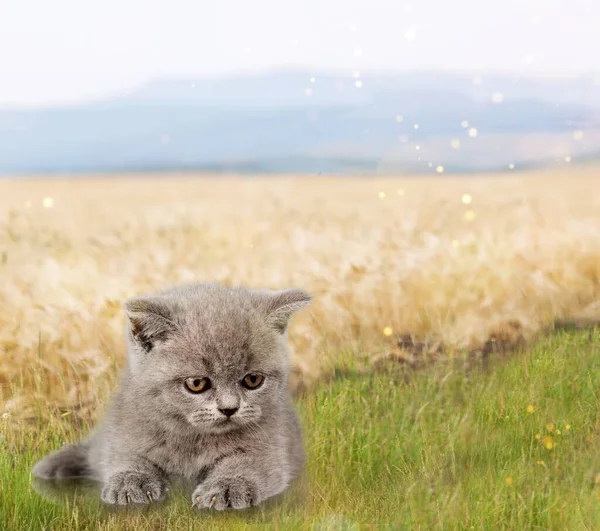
[[204, 396]]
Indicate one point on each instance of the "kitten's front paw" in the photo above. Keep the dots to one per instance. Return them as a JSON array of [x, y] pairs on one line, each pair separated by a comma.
[[223, 493], [133, 487]]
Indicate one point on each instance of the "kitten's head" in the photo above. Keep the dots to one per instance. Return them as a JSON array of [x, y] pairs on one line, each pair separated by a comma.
[[212, 357]]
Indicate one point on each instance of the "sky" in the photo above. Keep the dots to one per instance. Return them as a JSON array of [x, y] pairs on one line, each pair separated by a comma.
[[73, 50]]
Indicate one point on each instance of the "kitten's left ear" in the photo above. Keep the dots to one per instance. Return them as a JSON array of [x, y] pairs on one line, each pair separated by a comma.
[[280, 305], [150, 320]]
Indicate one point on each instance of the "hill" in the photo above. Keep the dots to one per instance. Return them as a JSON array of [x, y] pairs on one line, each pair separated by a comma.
[[301, 121]]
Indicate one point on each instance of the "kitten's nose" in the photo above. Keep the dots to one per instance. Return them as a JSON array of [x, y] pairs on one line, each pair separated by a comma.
[[229, 412]]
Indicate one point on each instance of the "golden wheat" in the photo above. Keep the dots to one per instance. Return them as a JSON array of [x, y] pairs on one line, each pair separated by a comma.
[[448, 257]]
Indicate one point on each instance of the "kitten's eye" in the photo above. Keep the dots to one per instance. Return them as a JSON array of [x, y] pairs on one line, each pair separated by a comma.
[[197, 385], [253, 381]]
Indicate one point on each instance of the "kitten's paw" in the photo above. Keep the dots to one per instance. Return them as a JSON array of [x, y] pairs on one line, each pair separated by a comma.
[[133, 487], [224, 493]]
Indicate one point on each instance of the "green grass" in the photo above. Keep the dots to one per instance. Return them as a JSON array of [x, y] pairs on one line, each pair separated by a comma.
[[435, 452]]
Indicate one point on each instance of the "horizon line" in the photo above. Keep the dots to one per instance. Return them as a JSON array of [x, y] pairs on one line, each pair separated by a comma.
[[315, 71]]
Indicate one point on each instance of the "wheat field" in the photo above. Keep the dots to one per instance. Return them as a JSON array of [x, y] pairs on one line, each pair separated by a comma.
[[453, 258]]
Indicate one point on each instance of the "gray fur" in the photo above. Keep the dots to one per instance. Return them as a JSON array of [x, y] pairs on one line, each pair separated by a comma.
[[156, 429]]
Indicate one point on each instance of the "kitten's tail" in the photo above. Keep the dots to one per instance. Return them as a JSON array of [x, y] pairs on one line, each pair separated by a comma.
[[69, 462]]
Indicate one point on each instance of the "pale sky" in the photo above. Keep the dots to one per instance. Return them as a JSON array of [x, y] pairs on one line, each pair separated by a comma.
[[70, 50]]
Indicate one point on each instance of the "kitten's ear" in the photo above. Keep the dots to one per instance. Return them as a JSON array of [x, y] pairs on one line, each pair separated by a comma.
[[150, 320], [278, 306]]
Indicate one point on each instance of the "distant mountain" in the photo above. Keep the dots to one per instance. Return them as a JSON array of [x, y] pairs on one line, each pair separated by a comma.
[[284, 88], [293, 121]]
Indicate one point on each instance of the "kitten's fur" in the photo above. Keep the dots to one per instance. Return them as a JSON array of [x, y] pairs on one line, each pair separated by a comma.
[[156, 428]]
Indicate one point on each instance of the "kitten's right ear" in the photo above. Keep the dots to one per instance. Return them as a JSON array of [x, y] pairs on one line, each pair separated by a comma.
[[278, 306], [150, 320]]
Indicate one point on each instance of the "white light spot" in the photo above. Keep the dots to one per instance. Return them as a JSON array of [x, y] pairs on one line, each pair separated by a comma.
[[430, 164], [529, 58], [464, 123], [455, 143], [381, 195], [497, 97], [577, 135], [48, 202], [400, 192], [567, 159], [416, 126], [411, 34], [536, 20], [417, 147], [358, 52], [313, 79], [472, 132], [399, 118], [358, 83], [455, 243], [440, 169], [467, 199], [511, 166]]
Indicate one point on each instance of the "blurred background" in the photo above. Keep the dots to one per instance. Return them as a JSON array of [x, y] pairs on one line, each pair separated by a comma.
[[426, 169], [419, 87], [149, 143]]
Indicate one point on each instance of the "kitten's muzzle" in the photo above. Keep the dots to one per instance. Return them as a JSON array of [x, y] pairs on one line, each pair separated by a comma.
[[228, 412]]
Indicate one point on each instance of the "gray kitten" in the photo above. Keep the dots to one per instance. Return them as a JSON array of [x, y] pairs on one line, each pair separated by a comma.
[[204, 396]]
